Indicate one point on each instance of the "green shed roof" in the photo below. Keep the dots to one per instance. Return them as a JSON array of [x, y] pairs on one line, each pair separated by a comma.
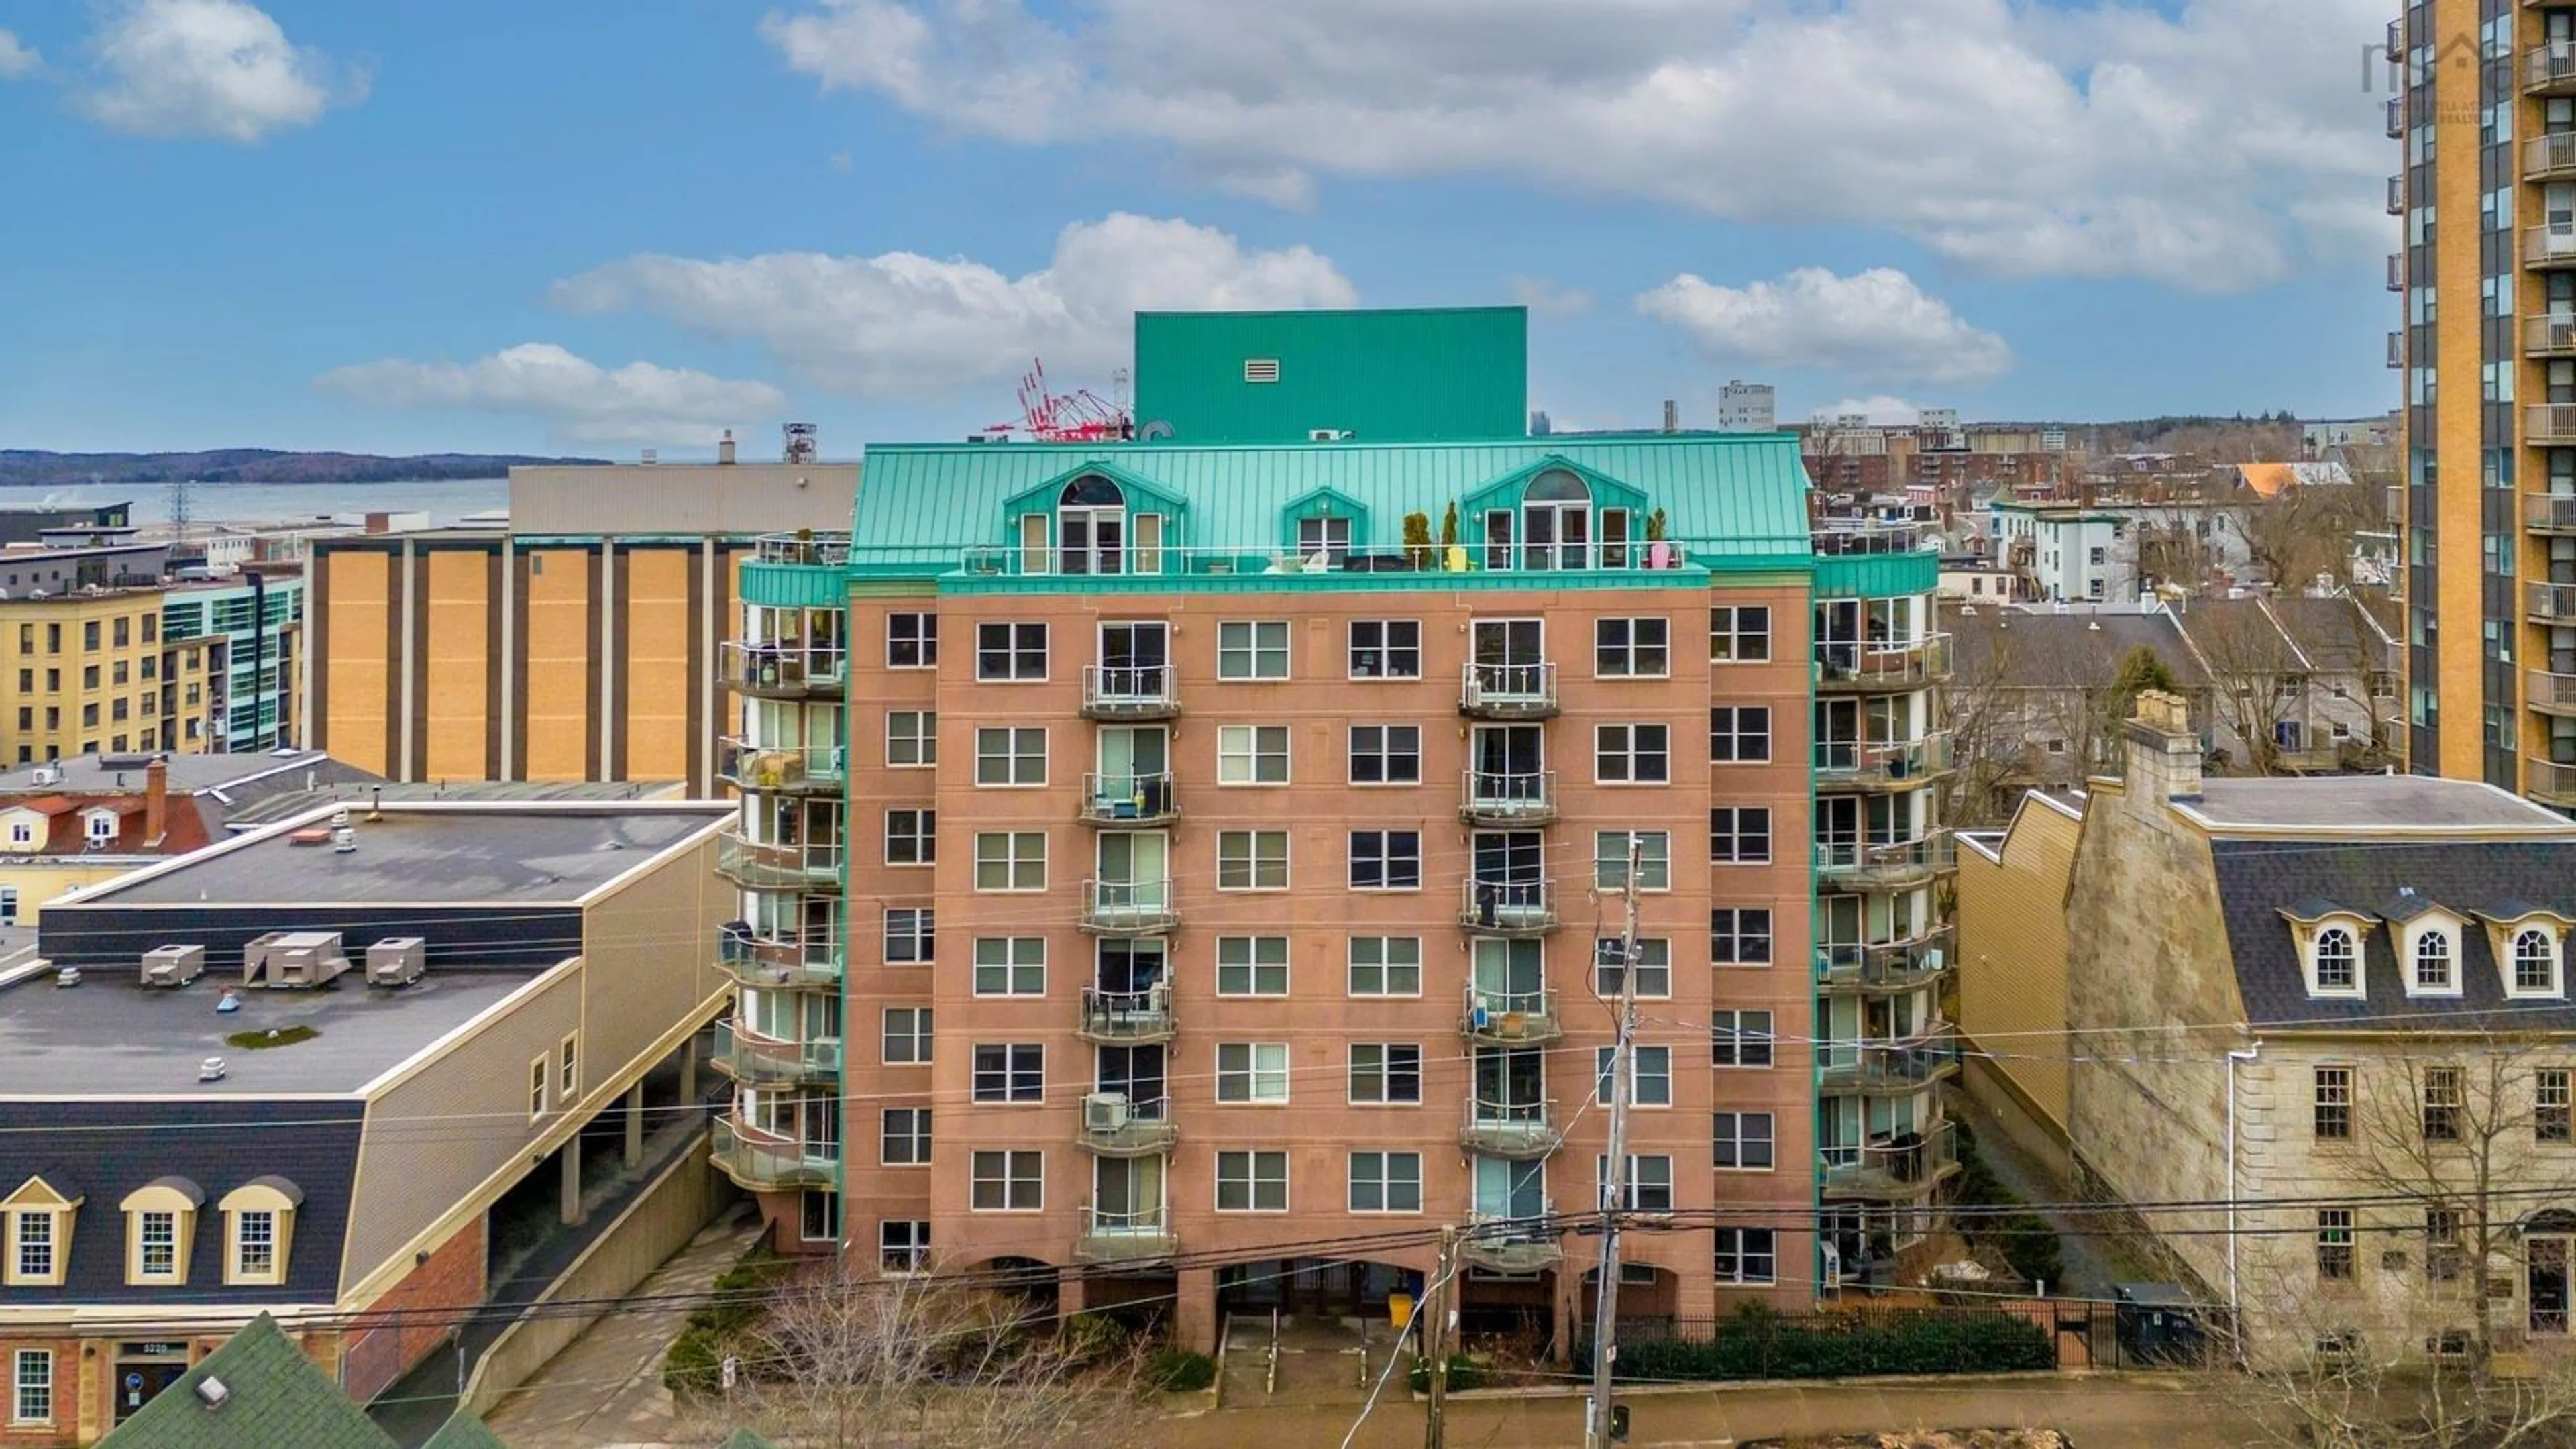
[[277, 1397], [1385, 375]]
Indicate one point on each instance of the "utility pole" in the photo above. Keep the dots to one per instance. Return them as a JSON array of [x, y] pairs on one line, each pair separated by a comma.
[[1614, 1188], [1435, 1338]]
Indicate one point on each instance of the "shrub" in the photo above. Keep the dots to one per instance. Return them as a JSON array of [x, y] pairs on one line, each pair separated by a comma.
[[1464, 1373], [1180, 1371]]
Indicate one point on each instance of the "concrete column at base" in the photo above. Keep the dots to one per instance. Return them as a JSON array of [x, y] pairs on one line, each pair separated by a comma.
[[1194, 1309], [635, 1125], [572, 1213], [1069, 1293]]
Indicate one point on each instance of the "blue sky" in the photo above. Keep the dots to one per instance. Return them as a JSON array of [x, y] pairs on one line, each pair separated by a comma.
[[592, 226]]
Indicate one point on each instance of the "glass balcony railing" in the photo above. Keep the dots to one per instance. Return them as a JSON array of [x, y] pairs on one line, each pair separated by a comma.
[[1901, 1166], [1510, 1018], [1127, 1016], [760, 1164], [1129, 801], [1128, 907], [1515, 1130], [773, 866], [754, 1062], [784, 670], [1487, 798], [1507, 691], [808, 960], [1507, 907], [775, 770], [1131, 692]]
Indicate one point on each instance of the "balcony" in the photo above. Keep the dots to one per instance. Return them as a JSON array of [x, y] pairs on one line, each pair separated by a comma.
[[1510, 1019], [1898, 1169], [2550, 782], [1849, 764], [2550, 693], [811, 961], [2550, 70], [785, 671], [2549, 335], [1893, 966], [1138, 1237], [1128, 908], [1518, 1131], [759, 1165], [1131, 694], [1128, 802], [1119, 1018], [771, 770], [757, 1063], [1508, 907], [1514, 1245], [1113, 1126], [1886, 866], [1507, 800], [2549, 246], [2553, 602], [1507, 691], [2549, 513], [2549, 158], [1845, 668], [763, 866], [1888, 1068]]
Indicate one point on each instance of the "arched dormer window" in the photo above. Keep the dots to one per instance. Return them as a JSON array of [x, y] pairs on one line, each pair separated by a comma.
[[2436, 963], [1091, 527], [2336, 961], [1556, 521]]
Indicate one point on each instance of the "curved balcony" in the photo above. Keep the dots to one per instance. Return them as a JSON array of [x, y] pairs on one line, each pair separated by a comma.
[[1850, 668], [1116, 1018], [785, 671], [1507, 692], [1112, 1126], [1129, 802], [1510, 1019], [1485, 798], [763, 866], [1886, 866], [1888, 1068], [810, 961], [773, 770], [1137, 1237], [1518, 1131], [1897, 1170], [1910, 765], [1508, 907], [2554, 602], [1514, 1245], [1131, 694], [1890, 967], [1128, 908], [2549, 513], [757, 1063], [759, 1164], [2553, 694]]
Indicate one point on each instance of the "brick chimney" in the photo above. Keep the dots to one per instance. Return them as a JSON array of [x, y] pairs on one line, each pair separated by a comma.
[[2163, 752], [156, 803]]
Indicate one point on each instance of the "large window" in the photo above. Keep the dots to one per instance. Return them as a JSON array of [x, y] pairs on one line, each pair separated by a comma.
[[904, 1137], [1742, 1141], [1747, 1256], [1252, 1182], [1386, 1074], [1739, 936], [1386, 966], [1631, 754], [1010, 652], [1739, 734], [1386, 860], [1632, 648], [1011, 860], [1654, 851], [1007, 1182], [1386, 754], [1255, 1071], [1386, 649], [1252, 649], [1010, 966], [1011, 755], [1252, 860], [1251, 965], [1010, 1072], [1739, 1038], [1386, 1182]]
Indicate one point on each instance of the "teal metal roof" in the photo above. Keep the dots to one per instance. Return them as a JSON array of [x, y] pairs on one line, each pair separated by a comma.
[[1381, 375], [1731, 497]]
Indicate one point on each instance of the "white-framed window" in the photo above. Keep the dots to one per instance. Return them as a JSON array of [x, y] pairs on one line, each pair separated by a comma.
[[1742, 1141], [1252, 754], [907, 1036], [1632, 648], [912, 739], [1649, 1185], [1386, 1074], [2534, 969], [1252, 649], [903, 1246], [1386, 966], [1011, 755], [1650, 1074], [1007, 1182], [1386, 860], [1386, 1182], [2334, 961], [1386, 754], [1252, 860], [1252, 1071], [1654, 859], [1654, 968], [912, 837], [31, 1385], [1010, 860], [1252, 1182], [1386, 649], [1739, 734], [1739, 936], [1739, 835], [1739, 634], [904, 1137], [1010, 653], [1739, 1038], [1009, 1072], [911, 935], [1251, 965], [1747, 1256], [912, 641], [1010, 965], [1632, 754]]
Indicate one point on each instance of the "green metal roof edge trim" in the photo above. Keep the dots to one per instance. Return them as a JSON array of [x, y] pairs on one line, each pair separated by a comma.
[[795, 586], [1877, 576]]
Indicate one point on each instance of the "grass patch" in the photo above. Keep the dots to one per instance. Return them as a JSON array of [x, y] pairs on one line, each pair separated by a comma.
[[251, 1041]]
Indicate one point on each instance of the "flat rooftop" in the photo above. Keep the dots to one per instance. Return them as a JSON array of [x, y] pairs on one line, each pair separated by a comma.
[[2407, 803], [112, 1036], [535, 854]]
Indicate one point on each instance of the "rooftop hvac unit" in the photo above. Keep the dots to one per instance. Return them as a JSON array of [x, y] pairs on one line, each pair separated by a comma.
[[173, 965], [397, 961], [294, 960], [1106, 1112]]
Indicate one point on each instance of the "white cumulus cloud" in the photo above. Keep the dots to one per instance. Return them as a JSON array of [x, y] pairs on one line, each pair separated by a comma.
[[1874, 326], [579, 400], [2214, 146], [904, 325], [215, 68], [17, 58]]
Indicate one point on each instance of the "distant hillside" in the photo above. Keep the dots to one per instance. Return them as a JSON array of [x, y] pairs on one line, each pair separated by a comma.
[[27, 469]]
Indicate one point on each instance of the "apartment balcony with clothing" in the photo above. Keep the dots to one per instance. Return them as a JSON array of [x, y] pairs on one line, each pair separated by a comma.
[[1508, 691], [1514, 1131], [1510, 1018], [2554, 602], [1886, 865], [785, 670], [1508, 907], [760, 1163], [758, 1063], [776, 770], [1128, 908], [1846, 666], [1900, 1167], [1129, 802], [1908, 765], [1504, 800], [1131, 694], [1117, 1018], [2550, 70], [2551, 694], [2550, 782], [1125, 1237], [778, 866], [2549, 512], [1893, 966], [1115, 1125], [2549, 246], [1888, 1068], [2550, 334], [808, 960], [1513, 1245]]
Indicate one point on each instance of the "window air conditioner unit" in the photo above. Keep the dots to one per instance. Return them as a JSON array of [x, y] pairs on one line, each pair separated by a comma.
[[1105, 1112]]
